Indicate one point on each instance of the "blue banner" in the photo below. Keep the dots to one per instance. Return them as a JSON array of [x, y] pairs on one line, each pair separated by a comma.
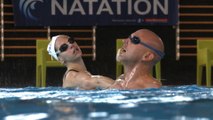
[[95, 12]]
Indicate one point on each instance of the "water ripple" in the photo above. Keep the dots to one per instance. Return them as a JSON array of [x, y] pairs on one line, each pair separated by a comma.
[[161, 95]]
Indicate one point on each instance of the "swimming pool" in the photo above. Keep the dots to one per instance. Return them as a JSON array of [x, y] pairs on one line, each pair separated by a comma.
[[56, 103]]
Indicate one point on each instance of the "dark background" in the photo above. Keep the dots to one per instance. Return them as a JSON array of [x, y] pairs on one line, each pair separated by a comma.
[[195, 22], [20, 72]]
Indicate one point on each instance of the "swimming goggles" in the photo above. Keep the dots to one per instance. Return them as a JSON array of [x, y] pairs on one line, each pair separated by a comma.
[[65, 46], [136, 40]]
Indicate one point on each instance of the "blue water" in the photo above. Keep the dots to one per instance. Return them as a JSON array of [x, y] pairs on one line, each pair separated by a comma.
[[56, 103]]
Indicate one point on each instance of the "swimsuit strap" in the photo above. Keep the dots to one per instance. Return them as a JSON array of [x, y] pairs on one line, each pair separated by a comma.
[[69, 71], [72, 70]]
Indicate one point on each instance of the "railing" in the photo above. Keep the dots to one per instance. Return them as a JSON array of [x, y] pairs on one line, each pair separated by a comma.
[[195, 23], [20, 41]]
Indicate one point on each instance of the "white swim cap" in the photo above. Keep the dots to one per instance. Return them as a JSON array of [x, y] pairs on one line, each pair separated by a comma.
[[51, 47]]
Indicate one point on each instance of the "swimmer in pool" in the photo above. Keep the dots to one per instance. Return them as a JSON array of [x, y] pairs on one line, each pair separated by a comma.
[[65, 49], [139, 53]]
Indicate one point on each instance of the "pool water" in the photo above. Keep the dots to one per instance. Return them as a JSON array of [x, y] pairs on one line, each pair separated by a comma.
[[55, 103]]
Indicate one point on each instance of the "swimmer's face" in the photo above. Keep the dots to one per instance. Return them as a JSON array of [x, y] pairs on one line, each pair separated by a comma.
[[72, 50], [132, 50]]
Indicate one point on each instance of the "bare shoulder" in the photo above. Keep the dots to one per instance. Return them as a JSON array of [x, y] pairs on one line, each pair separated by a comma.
[[153, 84], [142, 84], [69, 79], [81, 80], [75, 79]]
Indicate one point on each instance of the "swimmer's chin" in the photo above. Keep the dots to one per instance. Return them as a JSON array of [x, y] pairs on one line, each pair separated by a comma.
[[118, 55], [119, 58]]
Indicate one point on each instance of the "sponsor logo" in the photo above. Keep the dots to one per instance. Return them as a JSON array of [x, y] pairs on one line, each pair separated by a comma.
[[27, 6]]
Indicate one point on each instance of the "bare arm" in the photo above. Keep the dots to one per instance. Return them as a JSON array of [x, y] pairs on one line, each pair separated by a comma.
[[85, 81], [102, 81]]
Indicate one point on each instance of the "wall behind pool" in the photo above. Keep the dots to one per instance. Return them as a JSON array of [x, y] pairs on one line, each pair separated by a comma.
[[20, 72]]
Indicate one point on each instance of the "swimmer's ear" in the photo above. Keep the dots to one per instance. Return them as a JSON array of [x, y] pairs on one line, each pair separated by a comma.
[[148, 56]]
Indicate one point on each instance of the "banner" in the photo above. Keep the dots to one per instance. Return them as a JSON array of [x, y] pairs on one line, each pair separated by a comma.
[[95, 12]]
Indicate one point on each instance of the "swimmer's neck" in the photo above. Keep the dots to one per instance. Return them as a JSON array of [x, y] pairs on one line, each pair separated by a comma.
[[78, 65], [137, 70]]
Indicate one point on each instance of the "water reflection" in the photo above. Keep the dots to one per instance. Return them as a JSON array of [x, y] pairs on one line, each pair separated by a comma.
[[176, 103]]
